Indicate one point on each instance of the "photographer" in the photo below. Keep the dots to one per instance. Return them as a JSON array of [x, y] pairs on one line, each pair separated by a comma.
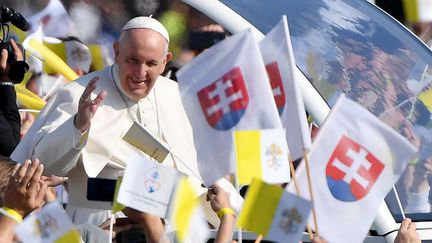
[[9, 116]]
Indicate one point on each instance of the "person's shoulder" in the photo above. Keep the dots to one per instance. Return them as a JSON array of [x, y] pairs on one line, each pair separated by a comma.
[[101, 74], [81, 82], [166, 83]]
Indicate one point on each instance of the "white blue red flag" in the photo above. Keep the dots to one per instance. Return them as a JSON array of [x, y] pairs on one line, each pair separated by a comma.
[[223, 89], [354, 162], [278, 57]]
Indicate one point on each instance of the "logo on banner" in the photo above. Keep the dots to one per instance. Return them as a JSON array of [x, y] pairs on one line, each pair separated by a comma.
[[152, 182], [45, 226], [274, 156], [291, 219], [352, 171], [224, 102], [276, 86]]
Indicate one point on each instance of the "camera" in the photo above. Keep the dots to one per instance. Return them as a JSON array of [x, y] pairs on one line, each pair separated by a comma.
[[17, 68], [15, 18]]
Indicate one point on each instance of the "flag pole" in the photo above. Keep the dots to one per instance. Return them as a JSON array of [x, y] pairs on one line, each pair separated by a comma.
[[258, 240], [237, 186], [294, 178], [111, 226], [310, 191], [399, 202]]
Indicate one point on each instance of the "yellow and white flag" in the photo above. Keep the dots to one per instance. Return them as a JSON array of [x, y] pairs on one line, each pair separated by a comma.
[[274, 213], [51, 224], [262, 154], [418, 10], [187, 215]]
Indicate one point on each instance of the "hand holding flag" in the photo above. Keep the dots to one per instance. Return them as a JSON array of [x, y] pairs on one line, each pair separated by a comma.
[[274, 213]]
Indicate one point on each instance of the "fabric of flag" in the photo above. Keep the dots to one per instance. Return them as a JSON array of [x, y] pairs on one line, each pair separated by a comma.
[[262, 154], [73, 53], [147, 186], [223, 89], [117, 207], [354, 162], [278, 57], [418, 10], [50, 224], [274, 213], [187, 215]]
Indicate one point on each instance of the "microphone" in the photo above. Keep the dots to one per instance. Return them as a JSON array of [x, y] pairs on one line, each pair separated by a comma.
[[9, 14]]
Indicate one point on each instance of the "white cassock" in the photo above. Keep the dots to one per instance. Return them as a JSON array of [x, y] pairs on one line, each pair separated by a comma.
[[64, 151]]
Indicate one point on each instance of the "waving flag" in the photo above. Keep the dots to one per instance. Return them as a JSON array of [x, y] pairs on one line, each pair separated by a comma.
[[226, 88], [274, 213], [280, 64], [49, 225], [355, 160], [147, 186], [262, 154], [187, 215]]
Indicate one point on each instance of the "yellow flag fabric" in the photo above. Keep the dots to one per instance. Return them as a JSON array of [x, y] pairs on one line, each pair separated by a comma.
[[15, 33], [259, 207], [426, 98], [57, 48], [411, 12], [27, 77], [54, 61], [185, 203], [116, 205], [97, 57], [30, 102], [22, 89], [248, 151], [262, 154], [418, 10], [72, 236]]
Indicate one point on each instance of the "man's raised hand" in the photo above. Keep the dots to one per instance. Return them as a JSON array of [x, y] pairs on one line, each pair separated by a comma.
[[87, 107]]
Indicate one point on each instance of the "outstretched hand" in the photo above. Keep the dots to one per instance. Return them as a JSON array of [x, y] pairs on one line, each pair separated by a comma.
[[87, 107], [25, 190]]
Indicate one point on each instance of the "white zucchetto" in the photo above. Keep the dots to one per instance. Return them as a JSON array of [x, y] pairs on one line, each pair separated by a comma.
[[146, 23]]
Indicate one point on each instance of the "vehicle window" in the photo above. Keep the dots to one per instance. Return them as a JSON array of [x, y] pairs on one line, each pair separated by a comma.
[[352, 47]]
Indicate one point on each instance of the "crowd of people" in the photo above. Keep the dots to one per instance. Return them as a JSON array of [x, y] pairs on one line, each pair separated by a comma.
[[79, 134]]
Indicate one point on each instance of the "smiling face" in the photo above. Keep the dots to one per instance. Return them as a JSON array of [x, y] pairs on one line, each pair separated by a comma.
[[141, 56]]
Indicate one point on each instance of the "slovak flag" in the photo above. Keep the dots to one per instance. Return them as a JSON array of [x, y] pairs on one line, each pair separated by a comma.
[[223, 89], [354, 162], [278, 57]]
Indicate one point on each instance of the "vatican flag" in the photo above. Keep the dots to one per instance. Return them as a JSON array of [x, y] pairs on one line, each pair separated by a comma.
[[187, 215], [418, 10], [49, 225], [274, 213], [262, 154]]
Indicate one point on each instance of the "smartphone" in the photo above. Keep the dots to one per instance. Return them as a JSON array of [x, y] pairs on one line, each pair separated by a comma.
[[101, 189]]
